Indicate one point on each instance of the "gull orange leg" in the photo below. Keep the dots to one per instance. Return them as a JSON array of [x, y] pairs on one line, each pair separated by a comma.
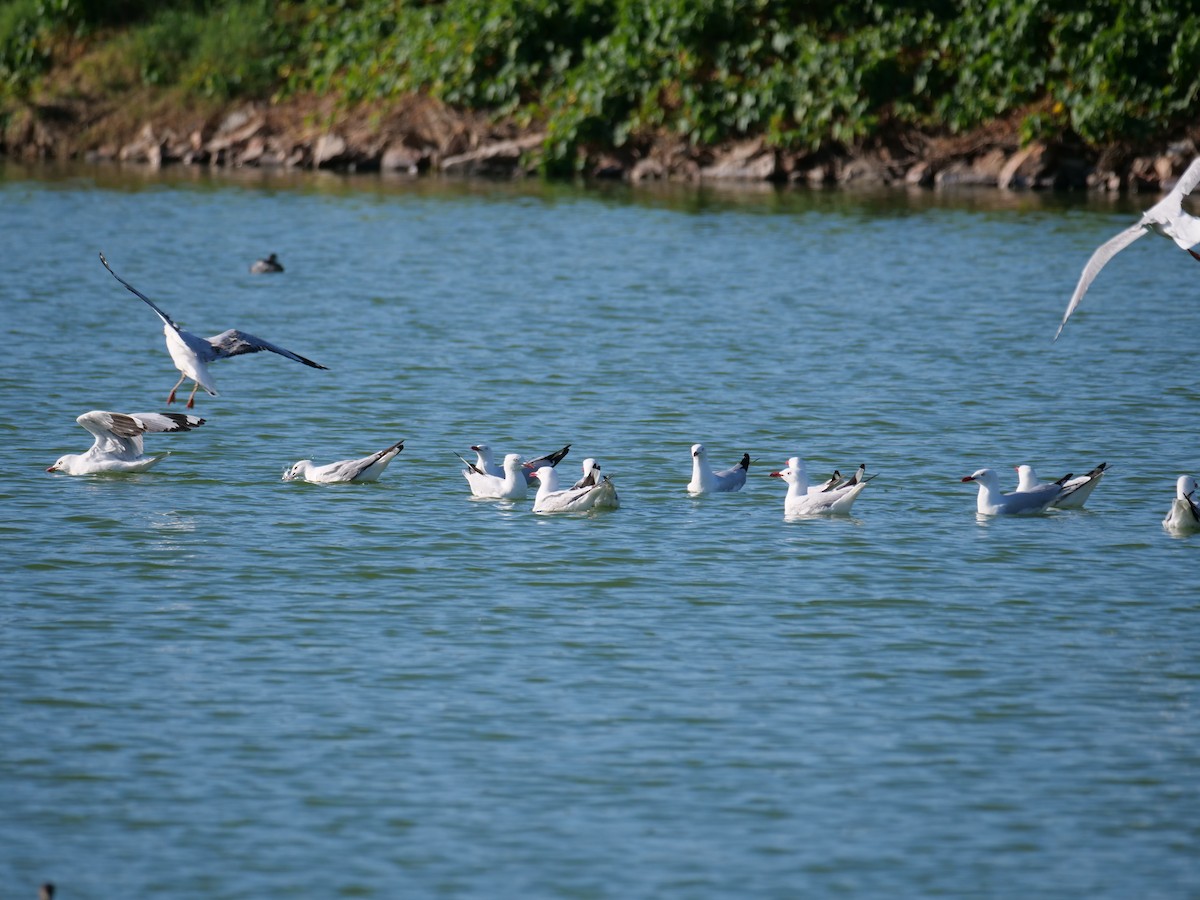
[[192, 396], [171, 396], [1195, 255]]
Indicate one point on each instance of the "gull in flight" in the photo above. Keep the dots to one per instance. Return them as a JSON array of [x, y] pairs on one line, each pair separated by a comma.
[[992, 502], [369, 468], [832, 497], [706, 481], [1076, 488], [192, 354], [1184, 515], [485, 462], [118, 444], [1167, 217]]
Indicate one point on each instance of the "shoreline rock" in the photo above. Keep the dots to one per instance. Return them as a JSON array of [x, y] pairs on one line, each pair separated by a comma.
[[417, 135]]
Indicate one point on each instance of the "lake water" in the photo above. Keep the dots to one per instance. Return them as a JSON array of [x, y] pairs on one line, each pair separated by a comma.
[[214, 684]]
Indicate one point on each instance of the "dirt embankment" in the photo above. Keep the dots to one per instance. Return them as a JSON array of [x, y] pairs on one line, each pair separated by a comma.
[[418, 135]]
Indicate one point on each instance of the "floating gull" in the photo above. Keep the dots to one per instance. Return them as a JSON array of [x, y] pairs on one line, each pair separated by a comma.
[[992, 502], [804, 499], [1076, 488], [264, 266], [369, 468], [551, 499], [1184, 516], [607, 498], [706, 481], [510, 485], [485, 462], [1167, 217], [118, 444], [192, 354]]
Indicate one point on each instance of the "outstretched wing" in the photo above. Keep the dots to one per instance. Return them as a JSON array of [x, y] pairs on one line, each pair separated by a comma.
[[1188, 180], [121, 433], [235, 343], [1103, 254], [162, 315]]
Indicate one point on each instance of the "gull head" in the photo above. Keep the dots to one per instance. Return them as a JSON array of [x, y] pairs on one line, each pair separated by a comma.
[[1027, 478], [794, 470], [1184, 487], [295, 471], [698, 451], [983, 476]]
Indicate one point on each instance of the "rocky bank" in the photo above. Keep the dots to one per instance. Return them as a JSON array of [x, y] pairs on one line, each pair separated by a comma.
[[419, 135]]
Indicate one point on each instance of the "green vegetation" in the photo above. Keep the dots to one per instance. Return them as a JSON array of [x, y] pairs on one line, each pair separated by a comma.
[[607, 72]]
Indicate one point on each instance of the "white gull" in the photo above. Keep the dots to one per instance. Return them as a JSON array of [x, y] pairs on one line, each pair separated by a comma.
[[992, 502], [1075, 488], [1184, 515], [832, 497], [192, 354], [485, 462], [369, 468], [1167, 218], [510, 485], [706, 481], [118, 444], [551, 499]]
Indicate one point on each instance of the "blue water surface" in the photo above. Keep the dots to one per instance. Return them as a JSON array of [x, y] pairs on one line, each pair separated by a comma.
[[214, 684]]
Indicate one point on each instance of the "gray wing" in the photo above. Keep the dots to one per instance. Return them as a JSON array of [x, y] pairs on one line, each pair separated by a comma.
[[122, 433], [1024, 501], [162, 315], [1103, 254], [352, 468], [154, 423], [235, 343]]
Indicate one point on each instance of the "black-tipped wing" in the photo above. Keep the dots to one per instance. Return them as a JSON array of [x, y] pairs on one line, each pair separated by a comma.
[[356, 468], [236, 343], [121, 433], [162, 315], [550, 459], [112, 424], [471, 467]]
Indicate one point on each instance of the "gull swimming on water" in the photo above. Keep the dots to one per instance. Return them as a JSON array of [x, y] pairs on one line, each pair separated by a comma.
[[511, 485], [607, 497], [706, 481], [118, 444], [264, 266], [1076, 488], [1184, 515], [192, 354], [992, 502], [551, 499], [1167, 217], [369, 468], [803, 499], [485, 462]]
